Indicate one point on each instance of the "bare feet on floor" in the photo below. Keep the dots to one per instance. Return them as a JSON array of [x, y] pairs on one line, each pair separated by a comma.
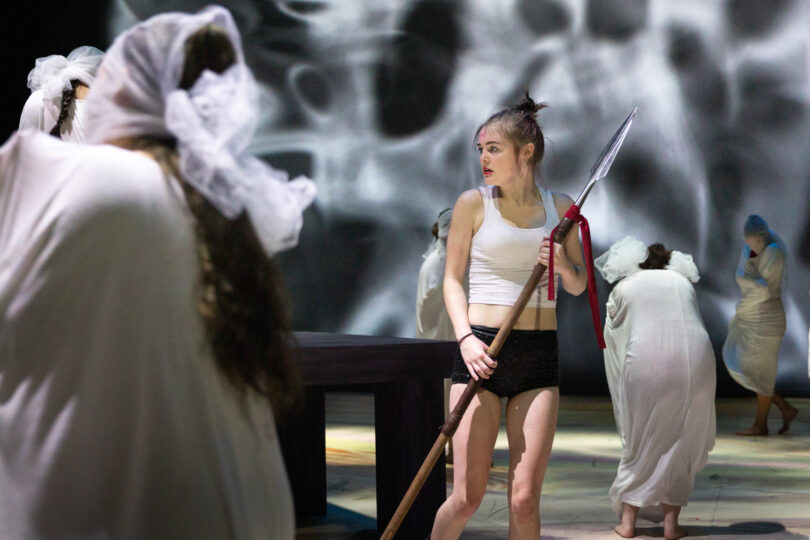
[[787, 418], [677, 532], [754, 431], [625, 531]]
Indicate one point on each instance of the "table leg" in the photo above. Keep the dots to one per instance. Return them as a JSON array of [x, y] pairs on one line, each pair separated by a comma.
[[408, 416], [303, 443]]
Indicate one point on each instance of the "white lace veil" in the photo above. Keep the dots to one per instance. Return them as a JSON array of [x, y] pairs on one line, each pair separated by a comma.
[[52, 74], [136, 94], [684, 265], [622, 259], [624, 256]]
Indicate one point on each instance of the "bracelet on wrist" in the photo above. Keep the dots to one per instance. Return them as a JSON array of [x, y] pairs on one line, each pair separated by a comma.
[[465, 336]]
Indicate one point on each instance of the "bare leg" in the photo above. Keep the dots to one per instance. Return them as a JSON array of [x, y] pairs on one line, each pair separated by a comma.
[[472, 453], [672, 531], [760, 426], [627, 528], [789, 412], [531, 420]]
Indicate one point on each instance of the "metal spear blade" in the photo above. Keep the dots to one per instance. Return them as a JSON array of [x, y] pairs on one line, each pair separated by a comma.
[[602, 165], [605, 160]]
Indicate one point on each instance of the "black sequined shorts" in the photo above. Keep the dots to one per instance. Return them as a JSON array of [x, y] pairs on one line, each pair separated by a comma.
[[529, 359]]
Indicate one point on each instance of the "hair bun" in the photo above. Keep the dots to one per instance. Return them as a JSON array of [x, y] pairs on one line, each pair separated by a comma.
[[657, 257], [528, 106]]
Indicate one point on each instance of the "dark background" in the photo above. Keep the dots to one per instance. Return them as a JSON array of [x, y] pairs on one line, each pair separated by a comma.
[[377, 101]]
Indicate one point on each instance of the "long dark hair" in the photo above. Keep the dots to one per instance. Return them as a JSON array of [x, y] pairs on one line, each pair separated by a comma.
[[657, 257], [519, 124], [242, 300], [67, 100]]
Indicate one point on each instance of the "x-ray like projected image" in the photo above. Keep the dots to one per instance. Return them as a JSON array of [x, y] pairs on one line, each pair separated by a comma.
[[378, 101]]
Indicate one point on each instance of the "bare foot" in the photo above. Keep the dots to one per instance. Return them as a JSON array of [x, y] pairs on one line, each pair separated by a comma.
[[753, 431], [787, 418], [679, 532], [625, 531]]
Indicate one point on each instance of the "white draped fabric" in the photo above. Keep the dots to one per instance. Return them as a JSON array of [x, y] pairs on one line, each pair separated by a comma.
[[661, 372], [114, 420], [432, 321], [751, 350], [36, 116], [136, 94], [51, 76]]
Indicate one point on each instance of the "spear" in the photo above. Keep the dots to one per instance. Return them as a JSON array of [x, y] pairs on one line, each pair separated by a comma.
[[598, 171]]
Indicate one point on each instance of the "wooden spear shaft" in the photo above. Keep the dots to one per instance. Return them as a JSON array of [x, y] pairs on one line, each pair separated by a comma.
[[454, 419], [598, 171]]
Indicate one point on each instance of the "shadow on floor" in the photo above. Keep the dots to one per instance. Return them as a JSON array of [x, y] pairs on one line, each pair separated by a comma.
[[338, 524], [367, 534], [744, 528]]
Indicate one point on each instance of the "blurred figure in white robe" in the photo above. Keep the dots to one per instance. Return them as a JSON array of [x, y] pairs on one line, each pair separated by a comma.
[[134, 403], [432, 321], [751, 350], [661, 372]]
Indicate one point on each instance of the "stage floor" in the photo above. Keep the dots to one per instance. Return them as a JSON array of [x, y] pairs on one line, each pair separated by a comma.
[[757, 488]]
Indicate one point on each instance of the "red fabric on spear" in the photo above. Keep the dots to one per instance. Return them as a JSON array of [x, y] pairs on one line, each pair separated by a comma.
[[574, 215]]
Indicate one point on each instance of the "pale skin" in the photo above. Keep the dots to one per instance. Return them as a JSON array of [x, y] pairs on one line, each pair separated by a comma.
[[672, 531], [531, 416], [81, 91], [789, 413]]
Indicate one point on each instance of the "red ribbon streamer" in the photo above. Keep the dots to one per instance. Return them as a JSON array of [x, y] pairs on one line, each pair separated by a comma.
[[574, 215]]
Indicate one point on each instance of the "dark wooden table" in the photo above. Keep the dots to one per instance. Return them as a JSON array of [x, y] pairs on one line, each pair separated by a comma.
[[406, 375]]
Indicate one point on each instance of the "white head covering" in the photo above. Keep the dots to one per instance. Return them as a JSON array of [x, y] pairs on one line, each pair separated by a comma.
[[52, 74], [439, 244], [622, 259], [136, 94], [624, 256]]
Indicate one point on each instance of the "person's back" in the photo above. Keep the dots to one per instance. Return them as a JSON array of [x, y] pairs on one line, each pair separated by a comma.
[[115, 419], [658, 337], [656, 297]]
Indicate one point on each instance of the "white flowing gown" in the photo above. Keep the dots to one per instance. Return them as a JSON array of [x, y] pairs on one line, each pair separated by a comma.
[[751, 350], [661, 372], [115, 422]]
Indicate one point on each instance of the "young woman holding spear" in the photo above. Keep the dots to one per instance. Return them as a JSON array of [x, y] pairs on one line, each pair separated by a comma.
[[502, 230]]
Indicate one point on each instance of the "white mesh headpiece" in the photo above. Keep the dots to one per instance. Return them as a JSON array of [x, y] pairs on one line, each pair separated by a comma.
[[624, 256], [142, 67], [52, 74], [622, 259], [136, 94]]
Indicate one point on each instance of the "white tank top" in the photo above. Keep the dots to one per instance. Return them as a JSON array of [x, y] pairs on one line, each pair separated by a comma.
[[503, 256]]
